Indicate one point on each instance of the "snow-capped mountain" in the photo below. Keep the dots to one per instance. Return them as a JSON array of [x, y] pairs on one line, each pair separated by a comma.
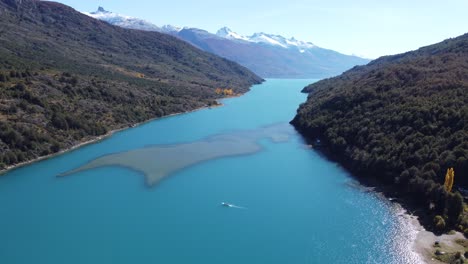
[[268, 39], [277, 40], [171, 29], [268, 55], [123, 21], [227, 33], [131, 22], [272, 56]]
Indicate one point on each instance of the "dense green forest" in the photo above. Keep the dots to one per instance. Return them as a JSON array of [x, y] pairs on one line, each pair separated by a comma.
[[402, 120], [66, 78]]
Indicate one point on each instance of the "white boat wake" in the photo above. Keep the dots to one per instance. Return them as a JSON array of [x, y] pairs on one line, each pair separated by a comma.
[[232, 205]]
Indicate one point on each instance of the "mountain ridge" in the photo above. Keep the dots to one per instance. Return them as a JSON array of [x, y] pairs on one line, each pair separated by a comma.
[[268, 55], [224, 32]]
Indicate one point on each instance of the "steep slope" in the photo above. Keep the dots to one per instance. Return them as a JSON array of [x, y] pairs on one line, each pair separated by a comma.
[[402, 120], [66, 77], [270, 56]]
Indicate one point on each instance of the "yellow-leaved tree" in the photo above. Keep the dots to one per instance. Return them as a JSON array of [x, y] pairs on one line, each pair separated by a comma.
[[228, 92], [449, 179]]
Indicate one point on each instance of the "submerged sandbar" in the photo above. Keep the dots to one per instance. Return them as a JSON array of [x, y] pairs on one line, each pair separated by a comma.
[[159, 161]]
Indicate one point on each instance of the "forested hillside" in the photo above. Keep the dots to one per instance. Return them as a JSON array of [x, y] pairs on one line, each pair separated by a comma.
[[403, 120], [66, 77]]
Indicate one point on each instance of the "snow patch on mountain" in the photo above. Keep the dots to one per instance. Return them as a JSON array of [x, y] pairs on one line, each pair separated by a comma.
[[171, 29], [123, 21], [227, 33], [281, 41], [268, 39]]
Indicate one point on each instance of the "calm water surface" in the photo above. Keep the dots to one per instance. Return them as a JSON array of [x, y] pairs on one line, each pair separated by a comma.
[[297, 207]]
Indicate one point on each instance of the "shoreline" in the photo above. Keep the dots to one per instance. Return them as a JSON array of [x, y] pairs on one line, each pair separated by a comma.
[[420, 242], [424, 242], [414, 215], [97, 139]]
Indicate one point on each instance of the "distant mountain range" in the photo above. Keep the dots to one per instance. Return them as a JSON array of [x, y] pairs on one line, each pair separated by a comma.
[[270, 56]]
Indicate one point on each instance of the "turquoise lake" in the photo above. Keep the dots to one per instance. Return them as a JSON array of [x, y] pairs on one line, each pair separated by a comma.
[[296, 206]]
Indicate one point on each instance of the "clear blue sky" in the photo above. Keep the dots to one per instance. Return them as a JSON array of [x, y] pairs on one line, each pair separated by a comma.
[[370, 28]]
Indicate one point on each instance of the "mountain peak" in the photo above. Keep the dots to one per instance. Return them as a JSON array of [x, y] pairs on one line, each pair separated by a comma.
[[171, 28], [227, 33], [101, 10], [224, 30]]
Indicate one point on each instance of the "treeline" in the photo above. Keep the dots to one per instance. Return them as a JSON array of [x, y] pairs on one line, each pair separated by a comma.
[[402, 120]]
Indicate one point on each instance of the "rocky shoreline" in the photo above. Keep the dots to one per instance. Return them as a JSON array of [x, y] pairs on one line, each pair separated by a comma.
[[437, 248], [419, 243]]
